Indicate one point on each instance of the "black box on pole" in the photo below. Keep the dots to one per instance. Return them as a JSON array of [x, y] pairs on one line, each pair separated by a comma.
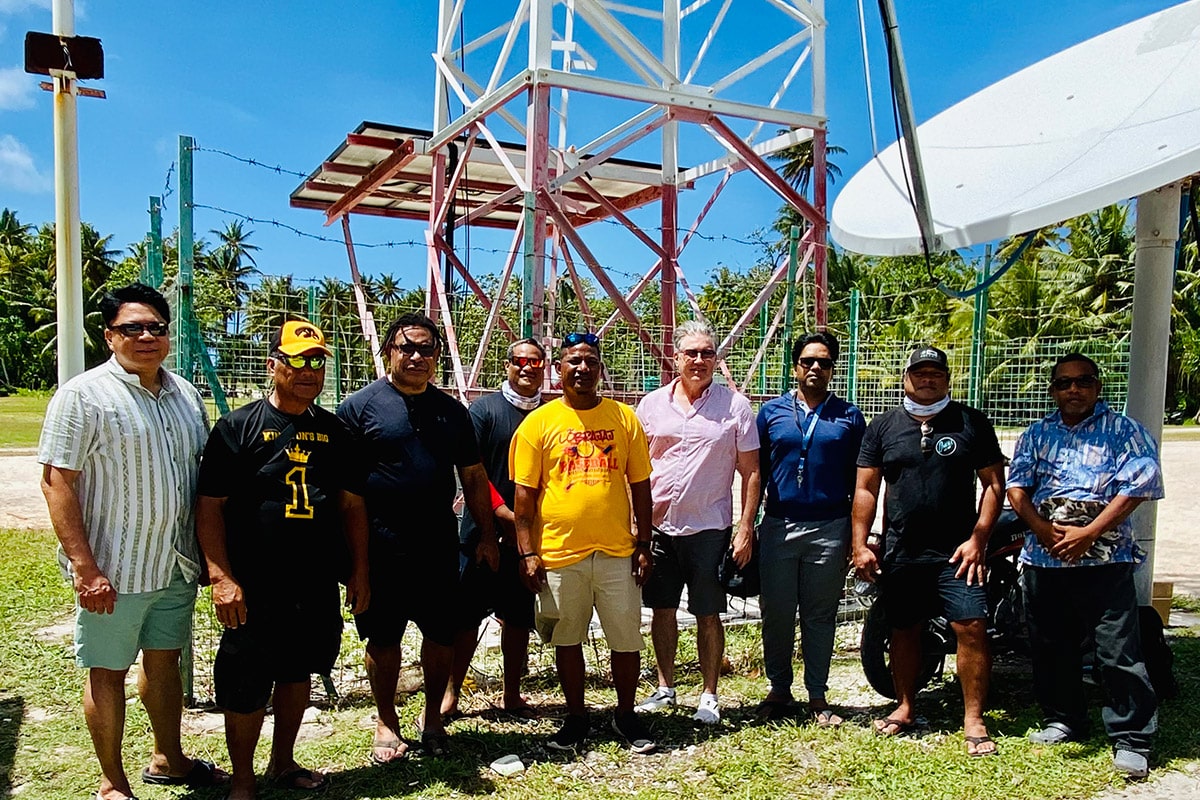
[[82, 55]]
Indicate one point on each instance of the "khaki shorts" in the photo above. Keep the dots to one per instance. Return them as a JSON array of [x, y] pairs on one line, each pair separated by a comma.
[[601, 582]]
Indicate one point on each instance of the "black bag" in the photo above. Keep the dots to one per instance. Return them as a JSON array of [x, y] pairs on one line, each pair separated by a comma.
[[1156, 653], [740, 581]]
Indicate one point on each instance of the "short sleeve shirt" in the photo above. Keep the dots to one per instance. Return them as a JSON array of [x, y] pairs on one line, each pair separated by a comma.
[[137, 455], [1105, 455], [495, 420], [930, 501], [828, 464], [694, 454], [581, 461], [412, 445], [282, 477]]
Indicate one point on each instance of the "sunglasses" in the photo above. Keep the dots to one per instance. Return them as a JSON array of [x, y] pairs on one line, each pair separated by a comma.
[[1083, 382], [533, 362], [691, 353], [132, 329], [808, 361], [926, 438], [581, 337], [410, 348], [299, 362]]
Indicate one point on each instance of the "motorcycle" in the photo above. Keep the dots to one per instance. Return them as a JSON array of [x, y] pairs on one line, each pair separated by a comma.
[[1007, 628]]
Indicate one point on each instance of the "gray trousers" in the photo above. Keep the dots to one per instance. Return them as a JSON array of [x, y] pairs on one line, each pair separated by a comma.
[[803, 566]]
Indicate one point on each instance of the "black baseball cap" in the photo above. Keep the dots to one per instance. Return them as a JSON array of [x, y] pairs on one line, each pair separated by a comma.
[[928, 354]]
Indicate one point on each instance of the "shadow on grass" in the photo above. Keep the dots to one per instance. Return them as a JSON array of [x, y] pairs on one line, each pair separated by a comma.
[[12, 713]]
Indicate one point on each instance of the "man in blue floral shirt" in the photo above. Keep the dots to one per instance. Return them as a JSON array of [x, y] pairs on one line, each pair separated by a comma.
[[1075, 478]]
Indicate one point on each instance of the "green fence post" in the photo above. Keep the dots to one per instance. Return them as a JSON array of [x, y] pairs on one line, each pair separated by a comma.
[[530, 235], [154, 251], [183, 286], [852, 361], [312, 316], [978, 333], [789, 313], [762, 337]]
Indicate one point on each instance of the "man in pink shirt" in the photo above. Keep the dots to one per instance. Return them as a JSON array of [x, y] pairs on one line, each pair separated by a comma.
[[700, 433]]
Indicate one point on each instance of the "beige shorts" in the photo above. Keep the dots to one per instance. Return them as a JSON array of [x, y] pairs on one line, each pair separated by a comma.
[[601, 582]]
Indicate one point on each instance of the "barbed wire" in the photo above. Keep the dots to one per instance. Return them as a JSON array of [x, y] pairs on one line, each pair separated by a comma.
[[167, 190], [277, 169]]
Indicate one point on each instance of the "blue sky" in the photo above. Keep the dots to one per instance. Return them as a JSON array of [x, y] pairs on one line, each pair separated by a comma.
[[283, 82]]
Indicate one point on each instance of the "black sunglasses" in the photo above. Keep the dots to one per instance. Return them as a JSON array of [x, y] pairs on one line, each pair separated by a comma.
[[409, 347], [1083, 382], [926, 438], [132, 329], [808, 361], [314, 362], [692, 354]]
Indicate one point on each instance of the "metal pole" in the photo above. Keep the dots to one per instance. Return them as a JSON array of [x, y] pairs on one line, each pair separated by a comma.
[[852, 365], [978, 329], [183, 286], [1154, 277], [789, 312], [908, 124], [68, 248], [762, 334], [154, 251]]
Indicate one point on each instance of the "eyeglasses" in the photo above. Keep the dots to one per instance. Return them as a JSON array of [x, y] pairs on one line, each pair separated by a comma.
[[314, 362], [410, 348], [1083, 382], [132, 329], [926, 438], [581, 337], [807, 362], [692, 354], [533, 362]]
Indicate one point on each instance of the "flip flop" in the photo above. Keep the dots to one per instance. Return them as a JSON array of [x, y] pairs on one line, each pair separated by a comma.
[[975, 741], [203, 773], [774, 710], [902, 727], [292, 779], [397, 756], [435, 744], [826, 718]]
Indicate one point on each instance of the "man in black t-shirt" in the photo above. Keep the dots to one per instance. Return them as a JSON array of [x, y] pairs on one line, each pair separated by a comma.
[[280, 505], [496, 417], [930, 451], [413, 438]]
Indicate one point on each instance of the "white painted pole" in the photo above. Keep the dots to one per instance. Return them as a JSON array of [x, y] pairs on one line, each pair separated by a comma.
[[1154, 274], [68, 249]]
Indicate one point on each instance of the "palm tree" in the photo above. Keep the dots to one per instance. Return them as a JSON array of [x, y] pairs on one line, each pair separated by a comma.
[[232, 262]]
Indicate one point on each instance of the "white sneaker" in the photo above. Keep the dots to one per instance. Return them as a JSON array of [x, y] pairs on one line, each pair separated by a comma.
[[709, 711], [663, 697]]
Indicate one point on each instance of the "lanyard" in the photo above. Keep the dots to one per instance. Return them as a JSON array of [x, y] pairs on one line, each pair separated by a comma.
[[806, 436]]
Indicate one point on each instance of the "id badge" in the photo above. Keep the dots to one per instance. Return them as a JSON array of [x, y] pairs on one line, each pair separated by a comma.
[[800, 473]]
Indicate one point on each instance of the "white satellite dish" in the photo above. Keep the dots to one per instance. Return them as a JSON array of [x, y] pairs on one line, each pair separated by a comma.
[[1110, 118]]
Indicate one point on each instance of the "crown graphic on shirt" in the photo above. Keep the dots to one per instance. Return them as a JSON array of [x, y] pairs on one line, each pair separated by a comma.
[[294, 453]]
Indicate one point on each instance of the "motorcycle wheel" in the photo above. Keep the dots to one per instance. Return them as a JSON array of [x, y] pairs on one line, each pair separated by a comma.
[[875, 649]]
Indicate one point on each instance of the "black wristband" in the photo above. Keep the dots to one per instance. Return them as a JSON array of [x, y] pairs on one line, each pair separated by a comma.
[[530, 555]]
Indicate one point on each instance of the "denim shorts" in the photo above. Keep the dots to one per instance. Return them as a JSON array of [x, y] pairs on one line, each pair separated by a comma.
[[914, 593]]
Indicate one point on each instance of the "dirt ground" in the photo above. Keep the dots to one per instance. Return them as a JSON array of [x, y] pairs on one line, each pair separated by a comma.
[[1177, 558]]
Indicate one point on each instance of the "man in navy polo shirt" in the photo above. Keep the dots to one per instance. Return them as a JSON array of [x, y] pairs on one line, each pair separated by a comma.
[[931, 450], [809, 441]]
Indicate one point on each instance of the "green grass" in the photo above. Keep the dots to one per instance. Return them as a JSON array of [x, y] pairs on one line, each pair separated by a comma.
[[1181, 601], [22, 415], [45, 751]]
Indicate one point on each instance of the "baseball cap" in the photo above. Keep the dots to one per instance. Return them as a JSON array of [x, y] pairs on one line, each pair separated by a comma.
[[928, 354], [299, 336]]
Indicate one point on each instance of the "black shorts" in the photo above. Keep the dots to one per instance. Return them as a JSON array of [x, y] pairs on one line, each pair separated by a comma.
[[691, 560], [281, 645], [421, 588], [913, 593], [501, 592]]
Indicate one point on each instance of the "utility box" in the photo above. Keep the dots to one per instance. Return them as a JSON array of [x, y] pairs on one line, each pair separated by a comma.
[[82, 55]]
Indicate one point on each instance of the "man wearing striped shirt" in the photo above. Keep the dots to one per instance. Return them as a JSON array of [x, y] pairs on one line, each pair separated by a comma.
[[119, 451]]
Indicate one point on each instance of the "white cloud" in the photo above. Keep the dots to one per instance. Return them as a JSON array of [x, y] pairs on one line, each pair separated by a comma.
[[17, 170], [16, 89]]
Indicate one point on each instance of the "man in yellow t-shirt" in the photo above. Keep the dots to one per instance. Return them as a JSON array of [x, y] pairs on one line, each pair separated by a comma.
[[571, 460]]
